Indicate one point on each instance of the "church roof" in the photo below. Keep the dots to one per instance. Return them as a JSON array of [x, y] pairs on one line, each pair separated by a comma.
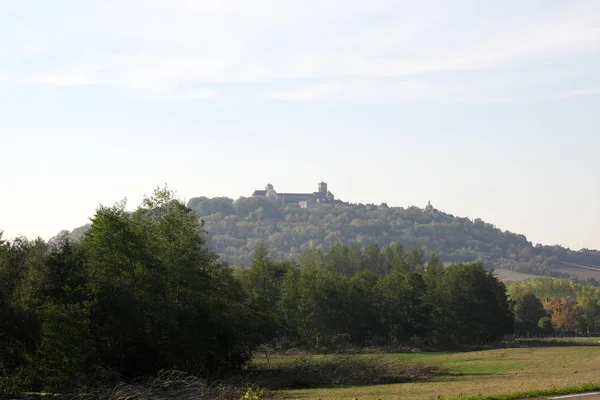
[[296, 194], [306, 196]]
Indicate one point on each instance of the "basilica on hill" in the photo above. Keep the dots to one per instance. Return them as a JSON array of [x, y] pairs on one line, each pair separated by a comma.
[[304, 200]]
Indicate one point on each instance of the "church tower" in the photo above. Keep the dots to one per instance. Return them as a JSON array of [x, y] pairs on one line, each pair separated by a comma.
[[322, 188]]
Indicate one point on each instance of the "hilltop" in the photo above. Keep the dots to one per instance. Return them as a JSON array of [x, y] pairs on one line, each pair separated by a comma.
[[236, 227]]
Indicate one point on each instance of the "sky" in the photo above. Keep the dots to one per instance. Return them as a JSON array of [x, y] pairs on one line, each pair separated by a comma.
[[488, 109]]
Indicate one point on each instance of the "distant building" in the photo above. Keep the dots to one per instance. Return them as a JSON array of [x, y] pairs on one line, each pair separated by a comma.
[[304, 200], [308, 204], [429, 207]]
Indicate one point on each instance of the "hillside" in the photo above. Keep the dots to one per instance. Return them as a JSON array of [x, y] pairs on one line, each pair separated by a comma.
[[236, 227]]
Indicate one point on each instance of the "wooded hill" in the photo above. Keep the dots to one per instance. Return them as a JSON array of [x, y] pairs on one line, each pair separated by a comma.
[[235, 228]]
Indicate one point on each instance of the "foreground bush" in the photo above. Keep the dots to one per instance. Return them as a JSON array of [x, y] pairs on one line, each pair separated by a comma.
[[340, 370], [167, 385]]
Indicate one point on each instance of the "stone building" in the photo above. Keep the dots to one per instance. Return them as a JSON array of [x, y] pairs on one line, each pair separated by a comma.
[[304, 200]]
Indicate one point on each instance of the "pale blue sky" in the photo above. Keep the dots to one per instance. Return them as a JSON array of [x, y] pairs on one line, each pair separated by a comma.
[[489, 109]]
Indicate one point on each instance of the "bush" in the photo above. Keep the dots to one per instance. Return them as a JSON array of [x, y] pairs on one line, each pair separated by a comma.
[[340, 370], [167, 385], [64, 345], [253, 394], [546, 324], [19, 332]]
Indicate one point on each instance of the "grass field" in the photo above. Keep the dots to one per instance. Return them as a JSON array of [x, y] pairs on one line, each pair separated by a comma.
[[506, 275], [578, 270], [487, 372]]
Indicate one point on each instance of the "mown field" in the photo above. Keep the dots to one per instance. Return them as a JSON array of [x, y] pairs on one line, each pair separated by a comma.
[[506, 275], [487, 372]]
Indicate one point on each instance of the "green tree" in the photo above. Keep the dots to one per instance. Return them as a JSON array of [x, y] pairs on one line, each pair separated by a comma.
[[364, 299], [161, 297], [262, 284], [529, 309], [545, 323], [323, 307], [472, 306], [403, 304], [588, 302]]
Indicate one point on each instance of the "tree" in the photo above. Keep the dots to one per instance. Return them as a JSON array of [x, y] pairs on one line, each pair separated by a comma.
[[250, 220], [434, 272], [19, 326], [404, 309], [161, 297], [473, 306], [262, 282], [564, 316], [545, 323], [324, 312], [530, 310], [588, 302], [364, 299]]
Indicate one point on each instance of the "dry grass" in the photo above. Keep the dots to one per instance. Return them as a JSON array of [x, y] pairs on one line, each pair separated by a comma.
[[338, 371], [581, 273], [506, 275], [165, 386], [478, 373]]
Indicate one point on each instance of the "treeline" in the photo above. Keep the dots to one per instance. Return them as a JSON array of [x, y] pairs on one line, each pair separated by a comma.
[[547, 306], [237, 227], [142, 291], [375, 297]]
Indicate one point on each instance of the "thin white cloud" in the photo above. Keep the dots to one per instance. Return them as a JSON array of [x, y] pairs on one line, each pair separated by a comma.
[[325, 91], [164, 45], [578, 92], [412, 90], [71, 79], [169, 95]]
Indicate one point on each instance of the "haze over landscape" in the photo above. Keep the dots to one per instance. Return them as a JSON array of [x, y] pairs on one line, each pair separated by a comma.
[[251, 200], [488, 109]]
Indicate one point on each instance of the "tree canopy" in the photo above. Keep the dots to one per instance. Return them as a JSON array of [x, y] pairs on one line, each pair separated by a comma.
[[145, 290], [236, 227], [140, 292]]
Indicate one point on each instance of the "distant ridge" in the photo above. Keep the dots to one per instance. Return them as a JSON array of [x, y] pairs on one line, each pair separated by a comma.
[[236, 227]]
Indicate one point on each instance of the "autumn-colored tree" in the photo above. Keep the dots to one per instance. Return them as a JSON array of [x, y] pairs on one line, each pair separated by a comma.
[[564, 315]]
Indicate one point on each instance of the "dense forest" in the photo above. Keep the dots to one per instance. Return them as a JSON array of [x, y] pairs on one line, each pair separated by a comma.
[[143, 291], [236, 227]]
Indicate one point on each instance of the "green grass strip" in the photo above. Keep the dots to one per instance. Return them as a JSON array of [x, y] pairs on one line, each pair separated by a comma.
[[534, 393]]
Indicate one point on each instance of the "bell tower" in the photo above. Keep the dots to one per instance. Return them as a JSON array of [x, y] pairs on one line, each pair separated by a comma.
[[322, 188]]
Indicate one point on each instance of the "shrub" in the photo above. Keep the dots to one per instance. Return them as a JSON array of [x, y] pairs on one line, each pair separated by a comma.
[[64, 345], [546, 324], [167, 385], [340, 370]]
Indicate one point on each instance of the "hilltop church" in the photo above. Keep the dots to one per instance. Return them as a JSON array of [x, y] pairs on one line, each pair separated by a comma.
[[304, 200]]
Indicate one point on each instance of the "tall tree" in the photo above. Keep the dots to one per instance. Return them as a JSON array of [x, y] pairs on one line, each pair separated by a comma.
[[588, 302], [473, 306], [529, 308], [162, 298]]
